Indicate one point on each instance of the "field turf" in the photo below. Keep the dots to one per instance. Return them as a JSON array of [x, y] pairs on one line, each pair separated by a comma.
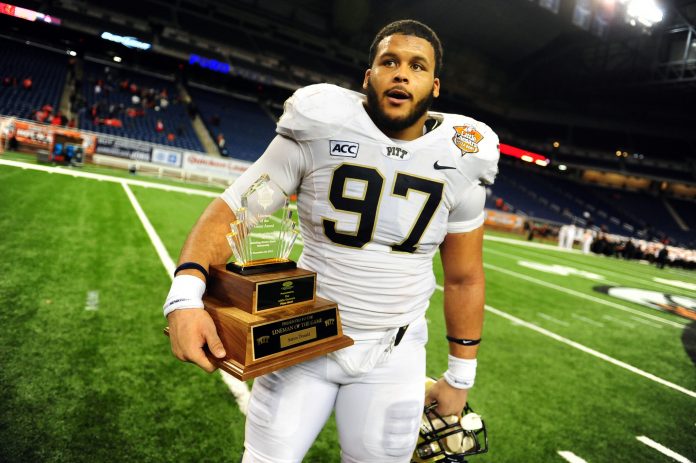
[[86, 374]]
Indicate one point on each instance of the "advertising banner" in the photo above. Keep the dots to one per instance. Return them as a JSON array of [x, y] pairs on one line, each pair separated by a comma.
[[124, 149], [504, 220], [166, 157], [209, 165]]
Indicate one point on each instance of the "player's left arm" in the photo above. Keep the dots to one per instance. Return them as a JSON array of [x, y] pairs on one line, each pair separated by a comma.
[[464, 288]]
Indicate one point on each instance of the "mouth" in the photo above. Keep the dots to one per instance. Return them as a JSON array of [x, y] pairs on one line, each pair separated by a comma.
[[397, 96]]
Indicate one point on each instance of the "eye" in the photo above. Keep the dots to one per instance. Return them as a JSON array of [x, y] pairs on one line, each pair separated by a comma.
[[389, 63], [417, 67]]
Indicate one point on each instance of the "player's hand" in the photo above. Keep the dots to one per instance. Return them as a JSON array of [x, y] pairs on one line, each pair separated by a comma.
[[450, 400], [189, 331]]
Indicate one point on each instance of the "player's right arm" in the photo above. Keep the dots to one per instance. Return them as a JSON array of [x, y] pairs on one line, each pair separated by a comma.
[[191, 328]]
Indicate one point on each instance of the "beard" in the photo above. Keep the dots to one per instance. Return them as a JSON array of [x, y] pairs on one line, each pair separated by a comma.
[[394, 124]]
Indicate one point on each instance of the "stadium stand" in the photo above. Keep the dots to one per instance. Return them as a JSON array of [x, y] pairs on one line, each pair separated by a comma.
[[246, 127], [686, 210], [46, 69], [106, 100]]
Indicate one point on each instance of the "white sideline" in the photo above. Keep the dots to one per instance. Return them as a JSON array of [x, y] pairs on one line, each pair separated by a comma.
[[570, 457], [528, 244], [239, 389], [592, 352], [107, 178], [662, 449], [584, 296]]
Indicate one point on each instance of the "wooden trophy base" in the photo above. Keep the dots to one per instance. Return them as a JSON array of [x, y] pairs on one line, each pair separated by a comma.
[[270, 321], [263, 342]]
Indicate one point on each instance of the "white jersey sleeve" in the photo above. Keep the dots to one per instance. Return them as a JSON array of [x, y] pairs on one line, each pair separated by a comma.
[[284, 163], [479, 146]]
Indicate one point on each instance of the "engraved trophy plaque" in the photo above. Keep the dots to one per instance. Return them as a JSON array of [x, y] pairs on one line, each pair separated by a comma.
[[264, 307]]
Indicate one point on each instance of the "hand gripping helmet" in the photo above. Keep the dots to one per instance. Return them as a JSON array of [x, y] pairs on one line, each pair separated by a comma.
[[449, 439]]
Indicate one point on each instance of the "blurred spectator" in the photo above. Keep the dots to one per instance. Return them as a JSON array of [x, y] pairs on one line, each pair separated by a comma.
[[159, 126], [27, 83], [662, 257], [222, 144], [6, 81], [171, 137]]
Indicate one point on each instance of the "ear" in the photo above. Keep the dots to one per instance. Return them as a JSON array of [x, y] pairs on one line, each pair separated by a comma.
[[366, 79], [436, 87]]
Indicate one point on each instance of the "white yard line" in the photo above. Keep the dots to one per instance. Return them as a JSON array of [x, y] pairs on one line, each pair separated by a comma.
[[590, 351], [588, 320], [570, 457], [584, 296], [663, 450], [239, 389], [552, 319], [166, 260]]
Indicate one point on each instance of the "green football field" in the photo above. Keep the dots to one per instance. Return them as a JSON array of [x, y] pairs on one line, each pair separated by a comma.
[[566, 373]]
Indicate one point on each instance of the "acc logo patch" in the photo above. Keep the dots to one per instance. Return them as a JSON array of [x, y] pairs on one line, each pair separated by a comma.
[[466, 138], [345, 149]]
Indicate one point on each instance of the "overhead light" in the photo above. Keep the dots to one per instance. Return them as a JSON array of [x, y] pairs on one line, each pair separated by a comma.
[[645, 12], [562, 167], [527, 158], [541, 162], [72, 53], [618, 153], [117, 59], [556, 144]]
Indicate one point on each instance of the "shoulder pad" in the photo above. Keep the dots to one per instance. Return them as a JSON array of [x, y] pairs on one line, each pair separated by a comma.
[[479, 147], [317, 111]]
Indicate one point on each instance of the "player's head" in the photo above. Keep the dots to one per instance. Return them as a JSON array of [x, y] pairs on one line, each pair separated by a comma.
[[401, 83]]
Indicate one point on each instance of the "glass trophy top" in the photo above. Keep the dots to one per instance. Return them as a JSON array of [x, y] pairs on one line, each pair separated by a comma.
[[264, 231]]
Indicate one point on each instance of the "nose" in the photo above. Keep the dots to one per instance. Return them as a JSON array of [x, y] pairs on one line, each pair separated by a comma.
[[401, 74]]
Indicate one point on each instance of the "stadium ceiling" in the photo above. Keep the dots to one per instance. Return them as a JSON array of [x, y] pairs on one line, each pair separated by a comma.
[[528, 59]]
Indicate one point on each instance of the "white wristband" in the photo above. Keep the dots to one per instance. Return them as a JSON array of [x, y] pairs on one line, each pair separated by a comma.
[[460, 372], [186, 293]]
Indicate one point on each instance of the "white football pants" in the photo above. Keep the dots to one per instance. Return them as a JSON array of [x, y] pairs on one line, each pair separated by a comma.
[[378, 412]]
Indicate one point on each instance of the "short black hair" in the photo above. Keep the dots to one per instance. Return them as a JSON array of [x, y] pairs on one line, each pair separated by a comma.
[[409, 27]]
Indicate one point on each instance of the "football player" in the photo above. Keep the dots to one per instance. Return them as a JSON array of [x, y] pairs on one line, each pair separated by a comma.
[[382, 184]]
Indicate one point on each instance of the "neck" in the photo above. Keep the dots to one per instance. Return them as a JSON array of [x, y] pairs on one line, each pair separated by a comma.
[[409, 133]]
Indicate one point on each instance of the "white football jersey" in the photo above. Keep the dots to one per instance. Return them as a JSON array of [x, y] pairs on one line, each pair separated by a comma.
[[373, 210]]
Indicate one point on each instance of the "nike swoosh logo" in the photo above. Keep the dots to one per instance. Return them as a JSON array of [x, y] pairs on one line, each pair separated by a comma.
[[439, 167]]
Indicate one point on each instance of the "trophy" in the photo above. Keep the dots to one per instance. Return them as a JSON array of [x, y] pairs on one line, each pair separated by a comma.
[[265, 308]]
